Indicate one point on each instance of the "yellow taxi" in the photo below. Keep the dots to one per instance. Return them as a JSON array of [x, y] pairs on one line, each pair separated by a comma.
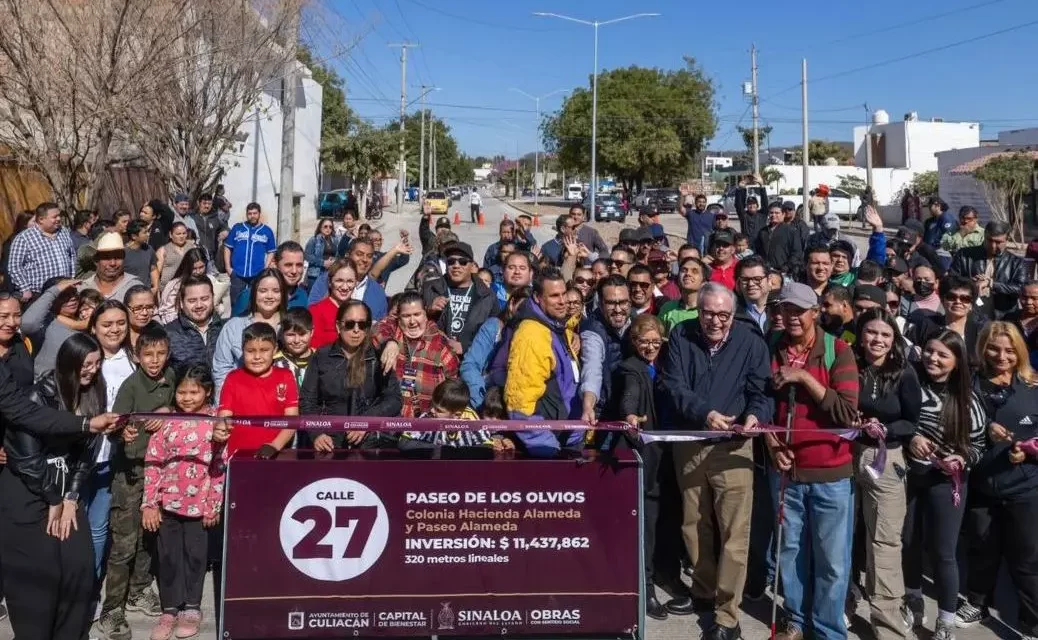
[[438, 200]]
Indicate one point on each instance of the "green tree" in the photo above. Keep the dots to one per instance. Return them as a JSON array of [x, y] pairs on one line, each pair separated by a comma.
[[361, 152], [1006, 179], [770, 175], [822, 150], [747, 136], [852, 184], [925, 184], [651, 124]]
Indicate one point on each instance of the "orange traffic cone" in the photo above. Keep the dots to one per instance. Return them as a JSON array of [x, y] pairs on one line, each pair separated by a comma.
[[457, 218], [481, 218]]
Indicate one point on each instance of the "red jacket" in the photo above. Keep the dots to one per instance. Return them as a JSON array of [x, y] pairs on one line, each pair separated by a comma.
[[325, 332], [820, 457]]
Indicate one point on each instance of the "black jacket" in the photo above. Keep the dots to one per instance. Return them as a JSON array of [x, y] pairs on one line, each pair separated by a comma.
[[47, 467], [482, 306], [635, 394], [19, 361], [1009, 275], [209, 227], [752, 224], [743, 316], [745, 191], [1016, 408], [786, 249], [186, 346], [733, 381], [324, 390], [922, 325]]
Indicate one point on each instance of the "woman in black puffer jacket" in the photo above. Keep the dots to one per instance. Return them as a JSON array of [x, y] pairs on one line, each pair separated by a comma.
[[48, 557], [346, 378]]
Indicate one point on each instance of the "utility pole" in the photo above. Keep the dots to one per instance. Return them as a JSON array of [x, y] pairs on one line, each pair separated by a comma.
[[421, 153], [804, 155], [432, 154], [285, 225], [402, 179], [756, 111]]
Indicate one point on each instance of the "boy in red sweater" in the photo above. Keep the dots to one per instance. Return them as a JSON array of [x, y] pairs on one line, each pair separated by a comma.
[[815, 378]]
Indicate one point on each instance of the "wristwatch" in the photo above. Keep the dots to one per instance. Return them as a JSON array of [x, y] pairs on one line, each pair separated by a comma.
[[72, 496]]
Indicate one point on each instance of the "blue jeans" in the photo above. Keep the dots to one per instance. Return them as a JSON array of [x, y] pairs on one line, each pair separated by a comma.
[[98, 504], [815, 561]]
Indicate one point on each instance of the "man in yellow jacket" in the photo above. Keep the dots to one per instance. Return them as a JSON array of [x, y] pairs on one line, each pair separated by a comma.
[[543, 372]]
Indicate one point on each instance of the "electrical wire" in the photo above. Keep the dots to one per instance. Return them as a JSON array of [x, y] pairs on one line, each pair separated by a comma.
[[471, 20]]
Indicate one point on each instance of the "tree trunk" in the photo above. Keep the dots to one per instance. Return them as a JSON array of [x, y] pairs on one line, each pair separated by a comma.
[[362, 198], [96, 174]]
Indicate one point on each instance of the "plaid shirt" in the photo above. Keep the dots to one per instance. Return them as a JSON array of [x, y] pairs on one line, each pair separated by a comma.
[[36, 258], [421, 365]]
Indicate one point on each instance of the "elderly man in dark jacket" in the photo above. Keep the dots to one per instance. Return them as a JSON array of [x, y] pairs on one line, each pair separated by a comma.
[[717, 371], [998, 273], [193, 334]]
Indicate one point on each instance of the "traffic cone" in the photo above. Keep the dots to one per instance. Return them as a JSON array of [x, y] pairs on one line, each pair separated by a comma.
[[481, 218], [457, 218]]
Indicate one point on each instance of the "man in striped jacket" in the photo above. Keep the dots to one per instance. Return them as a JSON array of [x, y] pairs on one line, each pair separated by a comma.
[[815, 385]]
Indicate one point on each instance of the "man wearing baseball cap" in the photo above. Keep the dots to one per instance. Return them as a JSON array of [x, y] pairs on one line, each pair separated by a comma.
[[815, 386], [722, 251], [909, 244], [459, 302]]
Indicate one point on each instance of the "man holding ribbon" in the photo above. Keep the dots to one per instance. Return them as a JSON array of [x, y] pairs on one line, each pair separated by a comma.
[[815, 384], [717, 373]]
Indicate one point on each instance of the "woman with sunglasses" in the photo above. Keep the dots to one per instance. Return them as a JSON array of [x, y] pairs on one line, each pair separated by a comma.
[[346, 378], [890, 395], [948, 440], [957, 294], [320, 251], [342, 280], [1001, 516]]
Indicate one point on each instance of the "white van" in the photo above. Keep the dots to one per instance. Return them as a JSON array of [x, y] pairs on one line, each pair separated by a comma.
[[575, 192]]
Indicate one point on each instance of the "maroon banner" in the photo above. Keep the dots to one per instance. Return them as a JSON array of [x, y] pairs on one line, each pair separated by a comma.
[[376, 545]]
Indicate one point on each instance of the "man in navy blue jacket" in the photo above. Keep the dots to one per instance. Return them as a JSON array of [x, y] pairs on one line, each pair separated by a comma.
[[716, 373]]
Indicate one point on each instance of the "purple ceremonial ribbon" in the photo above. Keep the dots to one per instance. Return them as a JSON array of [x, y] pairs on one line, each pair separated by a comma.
[[954, 471]]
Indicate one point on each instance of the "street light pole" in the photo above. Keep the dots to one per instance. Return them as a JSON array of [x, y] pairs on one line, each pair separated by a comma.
[[594, 83], [537, 151]]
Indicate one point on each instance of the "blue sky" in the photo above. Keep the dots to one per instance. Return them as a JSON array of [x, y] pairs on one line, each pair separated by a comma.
[[476, 51]]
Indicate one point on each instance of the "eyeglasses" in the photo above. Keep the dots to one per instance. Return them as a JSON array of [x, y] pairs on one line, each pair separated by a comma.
[[350, 325], [142, 308], [618, 263], [455, 262], [579, 280], [894, 304], [617, 303], [656, 344], [961, 298], [639, 285], [754, 280], [723, 316]]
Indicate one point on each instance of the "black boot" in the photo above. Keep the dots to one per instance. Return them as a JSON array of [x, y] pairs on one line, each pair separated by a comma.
[[653, 607]]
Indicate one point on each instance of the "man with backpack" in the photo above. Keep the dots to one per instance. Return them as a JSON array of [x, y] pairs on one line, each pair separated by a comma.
[[815, 387]]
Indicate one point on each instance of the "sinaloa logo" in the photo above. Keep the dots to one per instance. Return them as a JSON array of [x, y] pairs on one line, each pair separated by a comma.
[[334, 529]]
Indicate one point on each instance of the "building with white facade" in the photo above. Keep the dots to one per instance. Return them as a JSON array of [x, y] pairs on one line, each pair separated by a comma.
[[253, 172], [912, 143]]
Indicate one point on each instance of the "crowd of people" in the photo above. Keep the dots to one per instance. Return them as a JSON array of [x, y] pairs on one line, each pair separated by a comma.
[[903, 383]]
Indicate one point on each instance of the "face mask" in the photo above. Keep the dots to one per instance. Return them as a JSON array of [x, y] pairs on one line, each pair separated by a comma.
[[923, 288]]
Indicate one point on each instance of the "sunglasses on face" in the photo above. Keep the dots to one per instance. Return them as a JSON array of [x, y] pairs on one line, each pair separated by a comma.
[[639, 285], [350, 325], [618, 263], [579, 280], [454, 262], [962, 298]]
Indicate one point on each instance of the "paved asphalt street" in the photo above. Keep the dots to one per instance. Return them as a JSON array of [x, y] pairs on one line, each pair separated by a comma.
[[756, 615]]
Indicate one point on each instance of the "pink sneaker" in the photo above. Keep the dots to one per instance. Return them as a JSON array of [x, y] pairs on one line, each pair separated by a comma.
[[163, 629], [188, 623]]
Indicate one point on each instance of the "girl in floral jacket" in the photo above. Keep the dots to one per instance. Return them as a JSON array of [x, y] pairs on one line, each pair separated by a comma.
[[183, 496]]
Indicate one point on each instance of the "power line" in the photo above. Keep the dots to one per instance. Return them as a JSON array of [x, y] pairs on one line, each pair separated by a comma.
[[471, 20], [910, 56]]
